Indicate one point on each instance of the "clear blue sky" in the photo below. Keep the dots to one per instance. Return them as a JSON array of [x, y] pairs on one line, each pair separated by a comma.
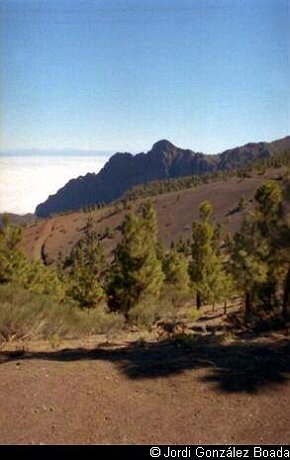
[[121, 74]]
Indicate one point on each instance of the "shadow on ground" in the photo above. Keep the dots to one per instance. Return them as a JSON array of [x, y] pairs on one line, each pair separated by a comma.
[[232, 367]]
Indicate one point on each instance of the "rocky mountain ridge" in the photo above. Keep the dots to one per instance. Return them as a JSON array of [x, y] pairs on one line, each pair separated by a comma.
[[163, 161]]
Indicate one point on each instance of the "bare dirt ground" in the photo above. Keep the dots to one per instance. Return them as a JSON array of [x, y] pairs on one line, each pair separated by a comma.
[[172, 391], [38, 252]]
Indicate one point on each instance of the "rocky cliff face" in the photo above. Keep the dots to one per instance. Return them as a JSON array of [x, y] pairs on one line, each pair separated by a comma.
[[163, 161]]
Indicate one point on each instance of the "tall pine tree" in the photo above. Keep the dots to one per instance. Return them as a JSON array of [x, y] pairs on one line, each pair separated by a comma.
[[136, 271], [269, 221], [247, 253], [205, 268], [175, 268], [16, 269], [12, 261], [86, 269]]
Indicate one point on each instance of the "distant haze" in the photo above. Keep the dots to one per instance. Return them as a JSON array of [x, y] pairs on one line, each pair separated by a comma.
[[27, 180]]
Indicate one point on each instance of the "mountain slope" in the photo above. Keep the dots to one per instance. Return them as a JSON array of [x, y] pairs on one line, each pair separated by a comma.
[[163, 161], [176, 211], [18, 219]]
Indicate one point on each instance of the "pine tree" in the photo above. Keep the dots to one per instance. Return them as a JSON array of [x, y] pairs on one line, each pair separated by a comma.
[[10, 234], [269, 218], [260, 255], [40, 279], [284, 256], [175, 268], [86, 268], [243, 201], [227, 288], [183, 246], [16, 269], [274, 225], [268, 198], [247, 265], [286, 296], [205, 268], [218, 281], [136, 270], [12, 261]]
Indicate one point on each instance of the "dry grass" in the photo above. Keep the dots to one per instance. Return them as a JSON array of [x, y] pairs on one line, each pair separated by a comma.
[[26, 316]]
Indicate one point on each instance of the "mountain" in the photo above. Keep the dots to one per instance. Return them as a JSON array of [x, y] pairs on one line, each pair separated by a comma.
[[176, 211], [19, 219], [163, 161]]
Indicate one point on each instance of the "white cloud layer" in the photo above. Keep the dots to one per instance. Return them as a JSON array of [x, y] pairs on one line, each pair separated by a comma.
[[26, 181]]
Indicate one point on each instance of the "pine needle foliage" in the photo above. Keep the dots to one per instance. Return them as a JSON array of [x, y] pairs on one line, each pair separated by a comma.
[[136, 271]]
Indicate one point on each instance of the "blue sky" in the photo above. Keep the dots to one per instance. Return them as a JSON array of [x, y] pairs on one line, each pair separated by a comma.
[[121, 74]]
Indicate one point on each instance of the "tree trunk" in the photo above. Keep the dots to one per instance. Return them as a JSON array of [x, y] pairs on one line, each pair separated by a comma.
[[198, 301], [275, 299], [225, 307], [248, 305], [286, 298]]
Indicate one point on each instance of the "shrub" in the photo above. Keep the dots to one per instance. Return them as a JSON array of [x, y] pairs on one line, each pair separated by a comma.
[[242, 203], [149, 310], [28, 315], [175, 297], [143, 314]]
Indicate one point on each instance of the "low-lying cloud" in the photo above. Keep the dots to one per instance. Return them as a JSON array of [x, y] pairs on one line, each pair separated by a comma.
[[26, 181]]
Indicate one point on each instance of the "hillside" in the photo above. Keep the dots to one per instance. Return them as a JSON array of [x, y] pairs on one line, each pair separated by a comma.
[[175, 213], [163, 161], [19, 219]]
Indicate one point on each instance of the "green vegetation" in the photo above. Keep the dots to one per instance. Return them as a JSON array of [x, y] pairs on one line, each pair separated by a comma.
[[136, 270], [246, 261], [26, 315], [37, 301], [175, 268], [242, 203], [160, 187], [259, 253], [85, 269], [87, 294], [205, 267], [15, 268]]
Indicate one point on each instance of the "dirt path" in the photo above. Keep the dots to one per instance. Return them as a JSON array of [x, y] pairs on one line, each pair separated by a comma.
[[157, 393], [38, 250]]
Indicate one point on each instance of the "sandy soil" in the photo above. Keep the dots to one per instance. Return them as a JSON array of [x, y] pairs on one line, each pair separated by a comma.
[[181, 392]]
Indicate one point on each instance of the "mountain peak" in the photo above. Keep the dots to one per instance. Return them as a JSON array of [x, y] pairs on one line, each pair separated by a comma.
[[162, 146], [163, 161]]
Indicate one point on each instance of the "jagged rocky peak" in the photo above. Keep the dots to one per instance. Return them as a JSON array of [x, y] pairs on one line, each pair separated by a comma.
[[163, 161], [162, 146]]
